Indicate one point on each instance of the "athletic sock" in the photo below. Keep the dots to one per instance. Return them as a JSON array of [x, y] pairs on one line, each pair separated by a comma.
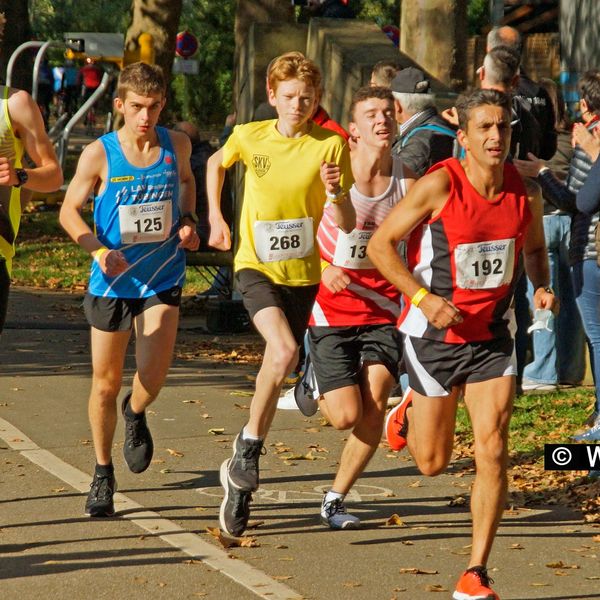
[[247, 436], [129, 411], [330, 496], [105, 470]]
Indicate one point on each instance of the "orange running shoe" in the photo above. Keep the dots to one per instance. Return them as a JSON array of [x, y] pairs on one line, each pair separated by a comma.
[[396, 423], [474, 584]]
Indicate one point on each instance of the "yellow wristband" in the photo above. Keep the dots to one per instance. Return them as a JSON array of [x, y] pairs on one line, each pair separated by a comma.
[[99, 253], [416, 299], [324, 265]]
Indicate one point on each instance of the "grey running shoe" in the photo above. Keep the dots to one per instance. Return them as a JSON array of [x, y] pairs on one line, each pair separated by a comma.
[[334, 514], [99, 502], [243, 466], [138, 447], [591, 435], [235, 508], [306, 391]]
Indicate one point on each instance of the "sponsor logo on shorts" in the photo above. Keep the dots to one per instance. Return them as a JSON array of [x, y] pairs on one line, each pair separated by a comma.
[[122, 178], [261, 164]]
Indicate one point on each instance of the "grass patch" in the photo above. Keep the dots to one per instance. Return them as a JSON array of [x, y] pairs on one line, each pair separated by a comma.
[[47, 258]]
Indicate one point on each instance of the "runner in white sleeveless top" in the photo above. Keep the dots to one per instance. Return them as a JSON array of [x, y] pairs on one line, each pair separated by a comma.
[[353, 341]]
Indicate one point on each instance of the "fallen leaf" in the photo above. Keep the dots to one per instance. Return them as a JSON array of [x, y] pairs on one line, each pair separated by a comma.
[[417, 571], [352, 584], [174, 452], [242, 406], [217, 431], [415, 484], [561, 565], [282, 577], [242, 393], [281, 547], [312, 430], [254, 524], [395, 520], [516, 546], [191, 401], [228, 541], [163, 471], [457, 501], [59, 490], [162, 584], [538, 584], [436, 587]]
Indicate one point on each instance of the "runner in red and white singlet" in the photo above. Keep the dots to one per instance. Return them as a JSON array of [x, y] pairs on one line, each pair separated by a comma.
[[473, 225]]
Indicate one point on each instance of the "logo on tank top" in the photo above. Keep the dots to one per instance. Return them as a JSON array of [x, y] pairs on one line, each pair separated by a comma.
[[168, 160], [121, 179], [261, 164]]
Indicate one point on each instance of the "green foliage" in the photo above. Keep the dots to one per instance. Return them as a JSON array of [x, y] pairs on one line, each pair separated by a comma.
[[478, 16], [383, 12], [206, 98]]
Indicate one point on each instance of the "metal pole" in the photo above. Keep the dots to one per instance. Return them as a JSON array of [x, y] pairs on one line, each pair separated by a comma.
[[14, 56], [496, 12], [36, 65]]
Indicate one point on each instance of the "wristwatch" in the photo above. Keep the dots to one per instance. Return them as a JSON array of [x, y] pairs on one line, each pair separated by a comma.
[[190, 215], [22, 176]]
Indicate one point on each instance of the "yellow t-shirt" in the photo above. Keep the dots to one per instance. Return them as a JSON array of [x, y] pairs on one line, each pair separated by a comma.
[[283, 187]]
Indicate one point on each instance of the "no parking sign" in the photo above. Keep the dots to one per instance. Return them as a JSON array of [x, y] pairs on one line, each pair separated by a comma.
[[186, 44]]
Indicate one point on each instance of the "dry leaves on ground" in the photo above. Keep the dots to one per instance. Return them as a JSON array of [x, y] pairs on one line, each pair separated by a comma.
[[228, 541]]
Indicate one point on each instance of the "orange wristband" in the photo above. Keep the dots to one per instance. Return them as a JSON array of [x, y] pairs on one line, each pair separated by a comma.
[[416, 299]]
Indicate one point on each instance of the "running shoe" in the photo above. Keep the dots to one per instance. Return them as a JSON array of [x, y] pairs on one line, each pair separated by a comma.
[[396, 423], [335, 515], [138, 447], [99, 502], [235, 508], [474, 584], [529, 385], [306, 391], [243, 465], [591, 435]]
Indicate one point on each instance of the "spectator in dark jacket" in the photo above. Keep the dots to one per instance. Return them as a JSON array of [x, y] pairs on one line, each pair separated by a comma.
[[582, 248], [529, 96], [425, 138]]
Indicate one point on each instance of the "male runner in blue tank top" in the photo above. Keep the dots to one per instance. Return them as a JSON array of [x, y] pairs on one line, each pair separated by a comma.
[[144, 201]]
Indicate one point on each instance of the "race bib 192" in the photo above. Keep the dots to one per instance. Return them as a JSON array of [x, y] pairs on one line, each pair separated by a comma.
[[484, 265], [283, 240], [145, 223], [351, 250]]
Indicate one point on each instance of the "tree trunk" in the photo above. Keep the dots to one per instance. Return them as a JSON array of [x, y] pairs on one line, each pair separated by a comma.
[[159, 18], [16, 31], [442, 21]]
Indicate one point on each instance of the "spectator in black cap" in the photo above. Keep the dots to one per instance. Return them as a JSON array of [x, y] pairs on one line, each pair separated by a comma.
[[424, 138]]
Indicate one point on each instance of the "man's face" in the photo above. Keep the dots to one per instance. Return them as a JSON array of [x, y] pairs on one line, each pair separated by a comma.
[[373, 123], [487, 135], [294, 100], [140, 112]]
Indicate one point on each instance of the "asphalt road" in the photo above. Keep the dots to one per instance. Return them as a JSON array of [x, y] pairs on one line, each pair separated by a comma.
[[158, 546]]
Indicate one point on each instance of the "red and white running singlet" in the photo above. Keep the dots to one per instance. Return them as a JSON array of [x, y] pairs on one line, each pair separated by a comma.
[[370, 299], [471, 255]]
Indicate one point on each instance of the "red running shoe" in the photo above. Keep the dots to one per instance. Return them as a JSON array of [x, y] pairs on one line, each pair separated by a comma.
[[474, 584], [396, 423]]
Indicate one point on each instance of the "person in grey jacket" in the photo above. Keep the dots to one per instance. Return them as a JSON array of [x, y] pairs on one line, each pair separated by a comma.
[[425, 137], [582, 248]]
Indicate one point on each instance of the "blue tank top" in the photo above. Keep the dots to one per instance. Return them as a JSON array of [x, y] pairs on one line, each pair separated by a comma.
[[138, 214]]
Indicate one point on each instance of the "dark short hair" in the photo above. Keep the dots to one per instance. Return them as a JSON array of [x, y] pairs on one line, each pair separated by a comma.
[[589, 89], [467, 102], [367, 92], [141, 78]]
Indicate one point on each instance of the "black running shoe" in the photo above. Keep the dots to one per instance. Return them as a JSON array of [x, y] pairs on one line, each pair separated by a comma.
[[235, 508], [243, 466], [99, 502], [138, 447]]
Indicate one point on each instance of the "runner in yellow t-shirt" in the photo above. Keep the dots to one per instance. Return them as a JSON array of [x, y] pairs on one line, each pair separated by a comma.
[[292, 167]]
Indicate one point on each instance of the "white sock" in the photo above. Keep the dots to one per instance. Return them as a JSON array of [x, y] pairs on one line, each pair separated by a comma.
[[331, 495], [247, 436]]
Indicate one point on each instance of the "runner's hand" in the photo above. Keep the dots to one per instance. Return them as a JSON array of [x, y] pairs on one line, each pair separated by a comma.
[[220, 236], [113, 263], [335, 279], [331, 176], [544, 299], [189, 238], [7, 172], [440, 312]]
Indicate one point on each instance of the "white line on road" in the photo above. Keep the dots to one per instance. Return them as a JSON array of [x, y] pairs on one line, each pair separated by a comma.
[[190, 543]]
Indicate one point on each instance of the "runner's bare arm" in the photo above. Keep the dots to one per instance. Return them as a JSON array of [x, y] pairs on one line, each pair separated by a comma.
[[220, 236], [187, 190], [90, 173], [534, 249], [425, 199], [28, 124]]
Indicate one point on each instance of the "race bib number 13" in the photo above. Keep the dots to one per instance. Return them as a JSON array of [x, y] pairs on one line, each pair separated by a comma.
[[351, 250], [145, 223], [283, 240], [484, 265]]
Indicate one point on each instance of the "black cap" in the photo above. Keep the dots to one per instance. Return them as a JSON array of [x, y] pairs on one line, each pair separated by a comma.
[[410, 81]]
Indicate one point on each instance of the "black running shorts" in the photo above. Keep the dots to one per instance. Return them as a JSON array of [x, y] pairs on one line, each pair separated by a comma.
[[259, 292], [117, 314], [435, 367], [338, 353]]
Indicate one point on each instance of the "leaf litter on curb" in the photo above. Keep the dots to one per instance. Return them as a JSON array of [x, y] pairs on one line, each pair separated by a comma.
[[395, 521], [228, 541]]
